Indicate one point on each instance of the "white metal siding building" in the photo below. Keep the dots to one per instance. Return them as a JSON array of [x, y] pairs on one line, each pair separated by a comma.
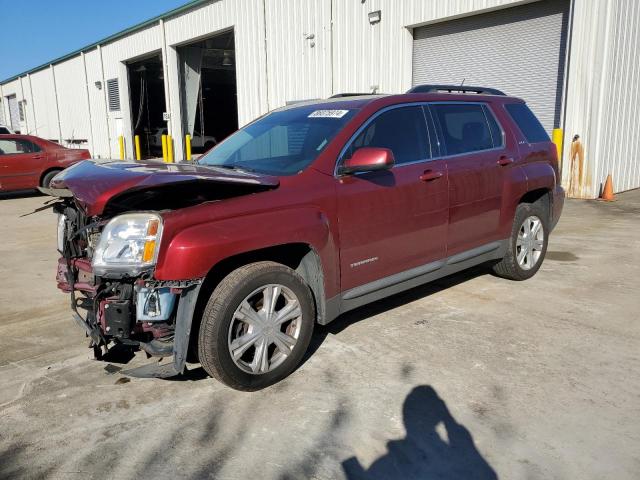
[[574, 61]]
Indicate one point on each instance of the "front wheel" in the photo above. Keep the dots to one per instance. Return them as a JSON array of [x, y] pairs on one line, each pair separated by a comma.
[[527, 245], [46, 180], [256, 326]]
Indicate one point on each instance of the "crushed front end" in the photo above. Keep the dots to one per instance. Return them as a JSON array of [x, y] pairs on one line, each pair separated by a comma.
[[106, 266]]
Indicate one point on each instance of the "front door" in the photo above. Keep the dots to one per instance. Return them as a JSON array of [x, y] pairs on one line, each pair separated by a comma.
[[396, 219], [477, 160]]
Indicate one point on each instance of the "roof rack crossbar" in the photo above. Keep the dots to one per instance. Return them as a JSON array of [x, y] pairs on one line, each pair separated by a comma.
[[455, 88]]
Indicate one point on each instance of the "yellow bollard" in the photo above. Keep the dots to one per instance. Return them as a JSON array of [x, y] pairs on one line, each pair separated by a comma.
[[556, 137], [169, 149], [187, 143], [164, 148], [121, 142], [137, 142]]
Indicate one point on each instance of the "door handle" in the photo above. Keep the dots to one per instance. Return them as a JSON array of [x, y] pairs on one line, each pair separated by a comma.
[[503, 161], [37, 157], [430, 176]]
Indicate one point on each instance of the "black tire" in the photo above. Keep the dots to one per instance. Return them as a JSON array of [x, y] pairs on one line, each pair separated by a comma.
[[508, 267], [213, 349], [46, 180]]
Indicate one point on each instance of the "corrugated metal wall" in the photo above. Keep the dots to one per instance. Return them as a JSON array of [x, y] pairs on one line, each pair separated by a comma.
[[246, 18], [298, 47], [276, 62], [602, 99], [72, 100], [45, 105], [101, 141]]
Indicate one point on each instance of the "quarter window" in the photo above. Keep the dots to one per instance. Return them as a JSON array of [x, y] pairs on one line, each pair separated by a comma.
[[527, 122], [465, 128], [402, 130]]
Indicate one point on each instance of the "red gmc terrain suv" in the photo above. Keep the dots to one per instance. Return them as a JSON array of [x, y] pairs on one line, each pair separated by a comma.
[[308, 212]]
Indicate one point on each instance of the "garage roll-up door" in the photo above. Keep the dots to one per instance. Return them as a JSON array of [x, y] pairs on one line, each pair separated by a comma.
[[519, 50]]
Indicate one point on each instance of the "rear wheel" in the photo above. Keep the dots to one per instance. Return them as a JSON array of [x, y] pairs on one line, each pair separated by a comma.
[[46, 180], [256, 326], [527, 245]]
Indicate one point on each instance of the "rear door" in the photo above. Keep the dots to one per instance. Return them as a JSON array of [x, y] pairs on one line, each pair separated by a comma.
[[20, 164], [474, 147], [396, 219]]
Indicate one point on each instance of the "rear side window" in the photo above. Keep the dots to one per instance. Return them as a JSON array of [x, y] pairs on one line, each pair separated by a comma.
[[527, 122], [3, 130], [402, 130], [14, 147], [465, 128]]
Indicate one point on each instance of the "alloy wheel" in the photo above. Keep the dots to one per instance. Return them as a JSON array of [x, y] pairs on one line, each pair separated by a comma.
[[530, 242], [264, 329]]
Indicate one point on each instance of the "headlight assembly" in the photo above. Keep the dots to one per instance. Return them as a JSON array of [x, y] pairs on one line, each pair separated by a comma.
[[128, 245], [62, 220]]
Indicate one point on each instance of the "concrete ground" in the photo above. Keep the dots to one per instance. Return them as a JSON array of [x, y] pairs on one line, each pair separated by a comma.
[[471, 377]]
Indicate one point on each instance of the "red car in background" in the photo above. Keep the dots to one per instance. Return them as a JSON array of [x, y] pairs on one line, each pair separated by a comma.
[[30, 162]]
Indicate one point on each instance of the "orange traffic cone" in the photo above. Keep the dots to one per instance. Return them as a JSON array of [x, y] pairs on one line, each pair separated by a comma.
[[607, 191]]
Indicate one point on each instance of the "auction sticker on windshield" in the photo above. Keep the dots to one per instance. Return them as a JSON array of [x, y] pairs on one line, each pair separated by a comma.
[[328, 113]]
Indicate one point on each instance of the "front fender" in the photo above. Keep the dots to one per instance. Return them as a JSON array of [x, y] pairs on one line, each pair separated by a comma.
[[193, 251]]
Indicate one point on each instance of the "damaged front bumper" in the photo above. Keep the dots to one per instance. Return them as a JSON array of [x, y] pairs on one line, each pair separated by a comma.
[[147, 314]]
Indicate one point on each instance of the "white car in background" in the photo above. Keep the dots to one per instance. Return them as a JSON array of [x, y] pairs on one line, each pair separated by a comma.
[[198, 142], [4, 130]]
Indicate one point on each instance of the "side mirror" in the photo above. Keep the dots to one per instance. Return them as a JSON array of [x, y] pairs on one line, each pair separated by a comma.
[[368, 159]]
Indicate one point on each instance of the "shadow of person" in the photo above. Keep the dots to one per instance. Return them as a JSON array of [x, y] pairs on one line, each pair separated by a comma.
[[424, 454]]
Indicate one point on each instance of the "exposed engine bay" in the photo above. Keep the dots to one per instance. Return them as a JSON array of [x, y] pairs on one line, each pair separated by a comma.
[[110, 226], [134, 311]]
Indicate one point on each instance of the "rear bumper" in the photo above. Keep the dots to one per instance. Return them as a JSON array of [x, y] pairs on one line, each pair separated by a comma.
[[557, 204]]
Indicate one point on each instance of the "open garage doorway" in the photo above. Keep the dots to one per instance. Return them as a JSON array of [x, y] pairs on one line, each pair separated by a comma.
[[146, 91], [208, 72]]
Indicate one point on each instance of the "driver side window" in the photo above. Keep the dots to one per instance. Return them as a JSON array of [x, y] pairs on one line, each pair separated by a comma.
[[402, 130]]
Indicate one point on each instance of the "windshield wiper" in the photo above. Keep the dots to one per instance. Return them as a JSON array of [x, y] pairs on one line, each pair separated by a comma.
[[235, 168]]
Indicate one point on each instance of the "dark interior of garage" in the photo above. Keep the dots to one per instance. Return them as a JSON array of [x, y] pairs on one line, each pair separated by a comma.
[[208, 74], [146, 87]]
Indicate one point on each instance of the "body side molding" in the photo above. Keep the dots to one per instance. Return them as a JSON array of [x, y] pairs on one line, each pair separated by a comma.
[[414, 277]]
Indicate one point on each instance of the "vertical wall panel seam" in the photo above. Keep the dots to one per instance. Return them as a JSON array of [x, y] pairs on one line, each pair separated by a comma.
[[24, 110], [55, 96], [86, 87], [266, 53], [106, 101], [604, 85], [33, 106]]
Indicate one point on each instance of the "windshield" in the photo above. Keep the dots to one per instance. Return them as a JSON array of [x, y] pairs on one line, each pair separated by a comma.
[[281, 143]]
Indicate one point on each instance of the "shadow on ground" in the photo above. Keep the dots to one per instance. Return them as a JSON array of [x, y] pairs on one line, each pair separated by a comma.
[[381, 306], [436, 446], [344, 321], [20, 194]]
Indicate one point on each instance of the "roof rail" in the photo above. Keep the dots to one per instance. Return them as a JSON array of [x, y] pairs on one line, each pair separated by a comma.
[[340, 95], [455, 88]]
